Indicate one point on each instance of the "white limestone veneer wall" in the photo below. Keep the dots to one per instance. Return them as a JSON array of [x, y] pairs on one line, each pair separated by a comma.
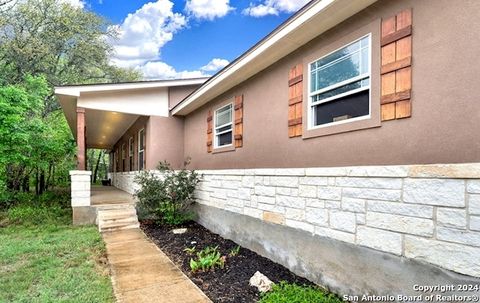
[[426, 212]]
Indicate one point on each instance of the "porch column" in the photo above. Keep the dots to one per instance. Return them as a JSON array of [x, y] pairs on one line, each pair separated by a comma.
[[83, 213], [81, 144]]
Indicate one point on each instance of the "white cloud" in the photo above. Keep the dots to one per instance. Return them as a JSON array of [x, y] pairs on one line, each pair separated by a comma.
[[144, 32], [208, 9], [214, 65], [161, 70], [274, 7]]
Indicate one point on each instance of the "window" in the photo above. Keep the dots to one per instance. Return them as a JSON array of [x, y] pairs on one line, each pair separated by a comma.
[[141, 149], [130, 153], [123, 156], [223, 131], [339, 87]]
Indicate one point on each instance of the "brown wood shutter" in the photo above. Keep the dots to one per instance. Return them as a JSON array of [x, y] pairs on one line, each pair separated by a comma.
[[238, 121], [295, 101], [209, 131], [396, 70]]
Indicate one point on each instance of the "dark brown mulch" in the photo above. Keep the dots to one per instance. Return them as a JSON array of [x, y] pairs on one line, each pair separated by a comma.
[[229, 284]]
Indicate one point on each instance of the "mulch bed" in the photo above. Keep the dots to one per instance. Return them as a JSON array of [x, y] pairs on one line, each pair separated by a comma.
[[230, 284]]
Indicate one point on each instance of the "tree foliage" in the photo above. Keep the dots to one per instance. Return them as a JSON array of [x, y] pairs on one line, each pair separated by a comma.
[[29, 141], [67, 44], [46, 43]]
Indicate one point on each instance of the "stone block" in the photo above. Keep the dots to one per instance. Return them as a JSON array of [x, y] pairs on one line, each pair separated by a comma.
[[244, 193], [253, 212], [378, 171], [288, 201], [290, 172], [273, 217], [473, 186], [308, 191], [248, 181], [271, 208], [300, 225], [314, 181], [234, 208], [334, 234], [284, 181], [441, 192], [381, 183], [266, 200], [316, 216], [333, 204], [458, 236], [361, 218], [344, 221], [329, 193], [380, 239], [372, 194], [460, 258], [326, 171], [264, 190], [317, 203], [475, 223], [80, 201], [353, 205], [474, 204], [449, 217], [412, 210], [294, 214], [403, 224]]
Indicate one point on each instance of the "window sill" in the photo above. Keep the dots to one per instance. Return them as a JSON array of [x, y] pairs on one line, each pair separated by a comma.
[[224, 149], [341, 128]]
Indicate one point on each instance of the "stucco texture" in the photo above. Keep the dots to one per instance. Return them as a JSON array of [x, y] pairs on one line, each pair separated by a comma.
[[444, 125]]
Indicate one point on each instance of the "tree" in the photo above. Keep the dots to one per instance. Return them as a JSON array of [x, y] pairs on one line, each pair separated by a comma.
[[58, 44], [66, 44]]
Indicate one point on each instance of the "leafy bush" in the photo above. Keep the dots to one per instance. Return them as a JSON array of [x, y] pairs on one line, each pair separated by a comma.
[[167, 197], [30, 214], [207, 259], [28, 209], [293, 293]]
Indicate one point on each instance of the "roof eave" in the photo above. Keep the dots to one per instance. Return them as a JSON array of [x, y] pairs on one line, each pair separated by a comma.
[[316, 18]]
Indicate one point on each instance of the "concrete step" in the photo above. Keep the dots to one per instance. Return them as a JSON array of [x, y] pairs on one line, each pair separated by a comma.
[[117, 221], [121, 227], [121, 213], [116, 217]]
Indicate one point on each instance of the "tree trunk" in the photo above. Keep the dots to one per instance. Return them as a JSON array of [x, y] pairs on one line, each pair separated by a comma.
[[26, 184], [42, 182], [37, 183], [96, 166]]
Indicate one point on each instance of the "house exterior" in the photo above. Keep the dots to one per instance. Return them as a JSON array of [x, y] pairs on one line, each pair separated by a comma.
[[344, 145]]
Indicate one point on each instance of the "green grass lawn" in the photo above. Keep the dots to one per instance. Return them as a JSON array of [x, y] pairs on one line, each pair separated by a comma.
[[53, 262]]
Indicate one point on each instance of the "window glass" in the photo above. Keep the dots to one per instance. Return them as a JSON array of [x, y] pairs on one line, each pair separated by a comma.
[[223, 126], [340, 83]]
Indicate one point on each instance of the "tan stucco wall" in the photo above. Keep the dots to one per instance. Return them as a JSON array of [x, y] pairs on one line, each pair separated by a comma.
[[177, 93], [444, 126]]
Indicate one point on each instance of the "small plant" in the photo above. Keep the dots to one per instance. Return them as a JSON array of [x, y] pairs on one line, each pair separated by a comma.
[[167, 197], [292, 293], [207, 259], [234, 251], [190, 250]]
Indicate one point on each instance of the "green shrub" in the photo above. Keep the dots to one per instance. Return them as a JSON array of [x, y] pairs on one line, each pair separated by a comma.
[[293, 293], [167, 197], [207, 259], [30, 214]]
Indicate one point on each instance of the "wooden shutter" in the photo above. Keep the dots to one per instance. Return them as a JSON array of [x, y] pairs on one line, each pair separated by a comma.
[[295, 101], [238, 121], [209, 132], [396, 70]]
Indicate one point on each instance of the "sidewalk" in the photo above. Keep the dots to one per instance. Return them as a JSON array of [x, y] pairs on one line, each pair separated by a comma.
[[141, 273]]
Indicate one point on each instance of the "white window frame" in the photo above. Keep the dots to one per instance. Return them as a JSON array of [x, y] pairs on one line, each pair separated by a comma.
[[141, 149], [215, 134], [131, 147], [311, 105]]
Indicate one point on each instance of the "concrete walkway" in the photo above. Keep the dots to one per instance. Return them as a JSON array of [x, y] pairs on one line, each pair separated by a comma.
[[142, 273]]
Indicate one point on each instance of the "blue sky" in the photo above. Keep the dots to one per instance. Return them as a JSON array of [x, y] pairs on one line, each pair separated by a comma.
[[188, 38]]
